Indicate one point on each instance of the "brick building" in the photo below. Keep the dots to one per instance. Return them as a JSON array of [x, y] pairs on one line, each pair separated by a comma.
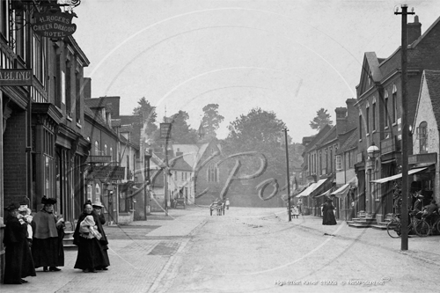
[[378, 100]]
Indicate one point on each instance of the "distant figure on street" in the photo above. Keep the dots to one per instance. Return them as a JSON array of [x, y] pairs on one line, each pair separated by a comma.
[[295, 212], [227, 203], [47, 245], [328, 216], [18, 258], [97, 207], [87, 236]]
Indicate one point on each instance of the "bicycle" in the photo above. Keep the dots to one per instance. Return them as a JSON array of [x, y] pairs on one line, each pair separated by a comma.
[[425, 228], [394, 227]]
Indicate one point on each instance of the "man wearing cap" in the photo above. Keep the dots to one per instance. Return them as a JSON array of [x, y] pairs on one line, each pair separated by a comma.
[[418, 205], [18, 258], [47, 246]]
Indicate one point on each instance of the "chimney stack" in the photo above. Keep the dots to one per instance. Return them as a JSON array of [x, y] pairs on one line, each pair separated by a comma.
[[341, 120], [87, 88], [414, 30]]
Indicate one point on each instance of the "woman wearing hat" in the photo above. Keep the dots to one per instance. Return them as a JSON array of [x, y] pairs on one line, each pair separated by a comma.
[[97, 208], [328, 215], [18, 258], [90, 249], [47, 245]]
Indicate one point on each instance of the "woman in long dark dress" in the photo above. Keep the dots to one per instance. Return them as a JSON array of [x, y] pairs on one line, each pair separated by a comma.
[[97, 208], [18, 258], [90, 251], [328, 217], [47, 245]]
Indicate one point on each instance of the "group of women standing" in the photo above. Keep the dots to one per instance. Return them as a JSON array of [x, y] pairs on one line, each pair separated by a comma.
[[34, 242], [91, 240]]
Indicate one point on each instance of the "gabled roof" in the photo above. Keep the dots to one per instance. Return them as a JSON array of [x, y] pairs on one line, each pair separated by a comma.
[[190, 152], [370, 66], [433, 82], [373, 63], [348, 141], [317, 138], [431, 27], [181, 165]]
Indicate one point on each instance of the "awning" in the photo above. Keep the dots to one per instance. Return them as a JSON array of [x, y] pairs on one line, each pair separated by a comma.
[[341, 191], [327, 193], [311, 188], [394, 177]]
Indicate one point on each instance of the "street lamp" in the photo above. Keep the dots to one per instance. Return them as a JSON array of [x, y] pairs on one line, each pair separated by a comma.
[[165, 133], [147, 156], [373, 152]]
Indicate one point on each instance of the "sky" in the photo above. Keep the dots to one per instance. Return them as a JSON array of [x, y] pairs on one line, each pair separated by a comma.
[[291, 57]]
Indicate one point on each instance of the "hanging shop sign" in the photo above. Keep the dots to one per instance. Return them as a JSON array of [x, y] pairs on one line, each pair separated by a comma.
[[107, 173], [15, 77], [99, 159], [54, 25]]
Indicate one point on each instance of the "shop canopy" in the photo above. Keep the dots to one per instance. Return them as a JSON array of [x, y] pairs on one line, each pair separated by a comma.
[[341, 191], [327, 193], [312, 187], [398, 176]]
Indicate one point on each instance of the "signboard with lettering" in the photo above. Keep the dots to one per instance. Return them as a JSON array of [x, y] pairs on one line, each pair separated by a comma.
[[54, 25], [165, 130], [107, 173], [99, 159], [15, 77]]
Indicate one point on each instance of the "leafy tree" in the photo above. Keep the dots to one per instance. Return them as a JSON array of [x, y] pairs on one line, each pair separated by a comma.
[[211, 120], [180, 130], [148, 113], [259, 131], [322, 119]]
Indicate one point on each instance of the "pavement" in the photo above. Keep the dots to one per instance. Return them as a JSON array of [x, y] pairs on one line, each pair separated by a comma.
[[150, 250], [135, 264]]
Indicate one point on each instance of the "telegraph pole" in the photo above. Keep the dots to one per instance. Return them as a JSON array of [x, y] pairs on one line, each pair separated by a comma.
[[404, 78], [288, 176]]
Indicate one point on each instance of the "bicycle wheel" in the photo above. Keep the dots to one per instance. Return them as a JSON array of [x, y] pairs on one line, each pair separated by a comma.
[[422, 228], [436, 227], [394, 228]]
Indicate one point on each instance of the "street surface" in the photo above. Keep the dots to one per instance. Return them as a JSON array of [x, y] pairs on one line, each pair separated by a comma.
[[248, 250]]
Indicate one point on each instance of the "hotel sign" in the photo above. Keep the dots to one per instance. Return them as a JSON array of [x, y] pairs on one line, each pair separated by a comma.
[[54, 25], [15, 77]]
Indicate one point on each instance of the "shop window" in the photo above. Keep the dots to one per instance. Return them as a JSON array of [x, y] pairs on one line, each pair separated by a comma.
[[49, 163], [96, 148]]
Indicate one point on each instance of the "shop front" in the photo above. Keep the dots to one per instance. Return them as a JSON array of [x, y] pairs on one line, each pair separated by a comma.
[[103, 181]]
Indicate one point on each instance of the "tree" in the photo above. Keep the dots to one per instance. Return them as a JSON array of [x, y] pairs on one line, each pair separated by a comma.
[[322, 119], [211, 120], [148, 113], [180, 130], [259, 131]]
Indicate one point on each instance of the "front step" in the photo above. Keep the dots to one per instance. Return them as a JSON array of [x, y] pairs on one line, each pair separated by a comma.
[[68, 239], [379, 226]]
